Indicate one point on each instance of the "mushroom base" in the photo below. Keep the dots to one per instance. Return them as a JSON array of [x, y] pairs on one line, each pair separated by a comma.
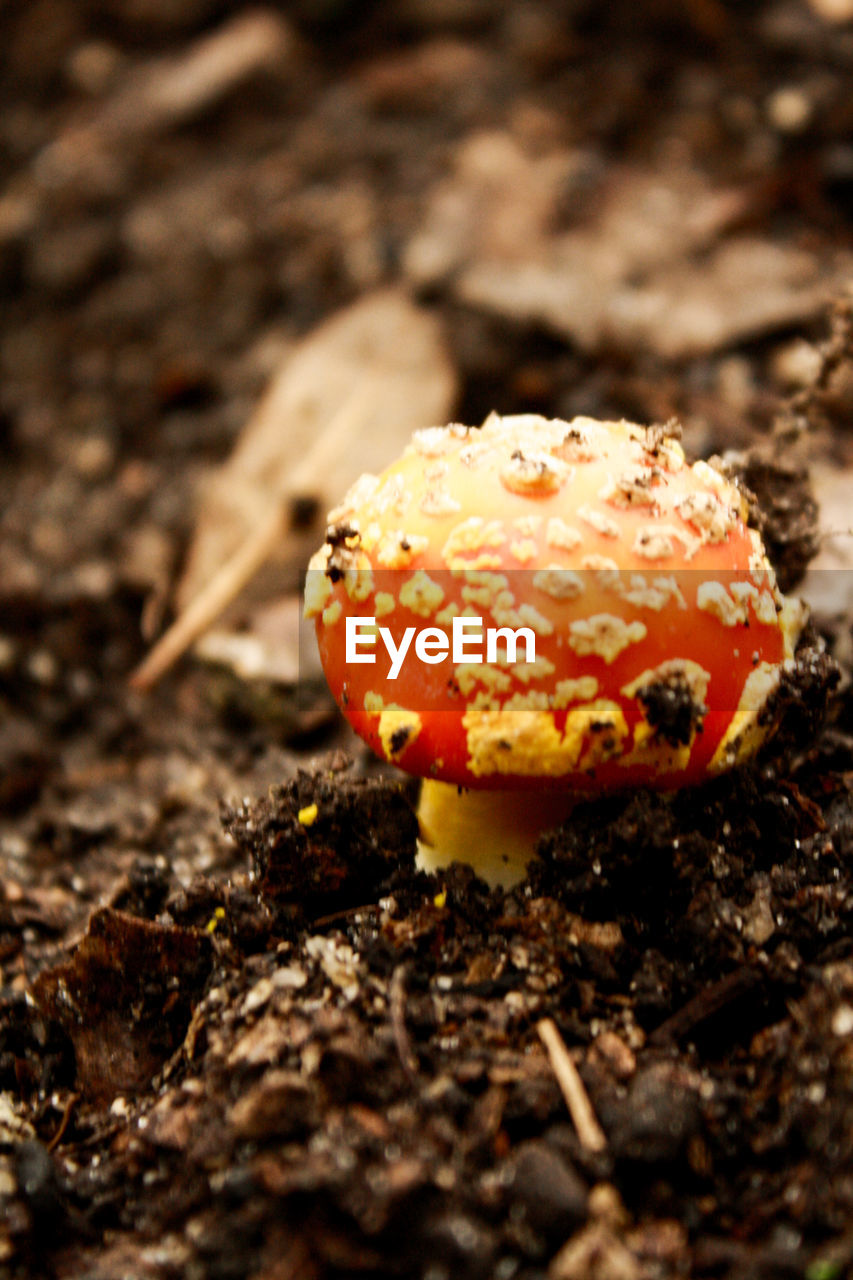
[[495, 832]]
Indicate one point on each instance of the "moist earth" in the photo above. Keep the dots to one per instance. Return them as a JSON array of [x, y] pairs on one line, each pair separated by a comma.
[[241, 1035]]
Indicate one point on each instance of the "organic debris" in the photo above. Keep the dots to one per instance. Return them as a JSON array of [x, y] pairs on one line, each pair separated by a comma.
[[272, 1048]]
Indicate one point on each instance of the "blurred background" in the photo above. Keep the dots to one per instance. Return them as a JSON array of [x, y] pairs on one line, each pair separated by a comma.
[[245, 249], [639, 209]]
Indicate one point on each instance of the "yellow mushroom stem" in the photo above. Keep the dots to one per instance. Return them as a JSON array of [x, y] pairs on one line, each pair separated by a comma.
[[495, 832]]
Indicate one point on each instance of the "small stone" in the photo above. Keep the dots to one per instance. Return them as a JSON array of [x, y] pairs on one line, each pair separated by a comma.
[[281, 1105], [842, 1020], [656, 1117], [789, 109], [258, 996], [551, 1193]]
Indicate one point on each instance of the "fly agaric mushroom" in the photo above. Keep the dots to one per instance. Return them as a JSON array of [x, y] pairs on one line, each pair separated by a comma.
[[652, 627]]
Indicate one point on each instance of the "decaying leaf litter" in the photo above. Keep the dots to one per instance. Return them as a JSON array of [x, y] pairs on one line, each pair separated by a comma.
[[231, 1044]]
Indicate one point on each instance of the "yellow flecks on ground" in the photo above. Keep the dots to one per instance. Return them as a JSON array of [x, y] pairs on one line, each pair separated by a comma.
[[604, 635], [440, 900], [422, 594], [307, 816], [398, 729], [215, 920]]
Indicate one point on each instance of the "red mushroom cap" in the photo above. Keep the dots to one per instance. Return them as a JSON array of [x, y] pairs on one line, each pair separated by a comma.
[[659, 630]]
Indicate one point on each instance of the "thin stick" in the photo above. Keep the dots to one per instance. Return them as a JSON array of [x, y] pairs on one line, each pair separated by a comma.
[[572, 1088], [71, 1101], [205, 608], [239, 569], [397, 1010]]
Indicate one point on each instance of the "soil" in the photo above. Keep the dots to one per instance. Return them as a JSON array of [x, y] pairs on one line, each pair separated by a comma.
[[238, 1043]]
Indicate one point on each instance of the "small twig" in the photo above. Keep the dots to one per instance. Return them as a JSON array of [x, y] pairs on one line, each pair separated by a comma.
[[706, 1003], [239, 569], [397, 1012], [71, 1101], [346, 913], [206, 607], [572, 1087]]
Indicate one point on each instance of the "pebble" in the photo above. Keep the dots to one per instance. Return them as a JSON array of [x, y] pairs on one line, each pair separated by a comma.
[[551, 1193], [656, 1116]]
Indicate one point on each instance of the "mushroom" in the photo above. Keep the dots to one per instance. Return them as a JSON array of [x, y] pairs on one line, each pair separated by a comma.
[[536, 610]]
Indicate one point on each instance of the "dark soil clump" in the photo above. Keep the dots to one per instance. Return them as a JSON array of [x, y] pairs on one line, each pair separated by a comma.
[[241, 1034]]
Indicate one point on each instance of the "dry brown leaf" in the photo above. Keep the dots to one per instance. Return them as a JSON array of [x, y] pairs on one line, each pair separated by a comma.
[[745, 287], [650, 270], [169, 90], [839, 11], [345, 401]]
